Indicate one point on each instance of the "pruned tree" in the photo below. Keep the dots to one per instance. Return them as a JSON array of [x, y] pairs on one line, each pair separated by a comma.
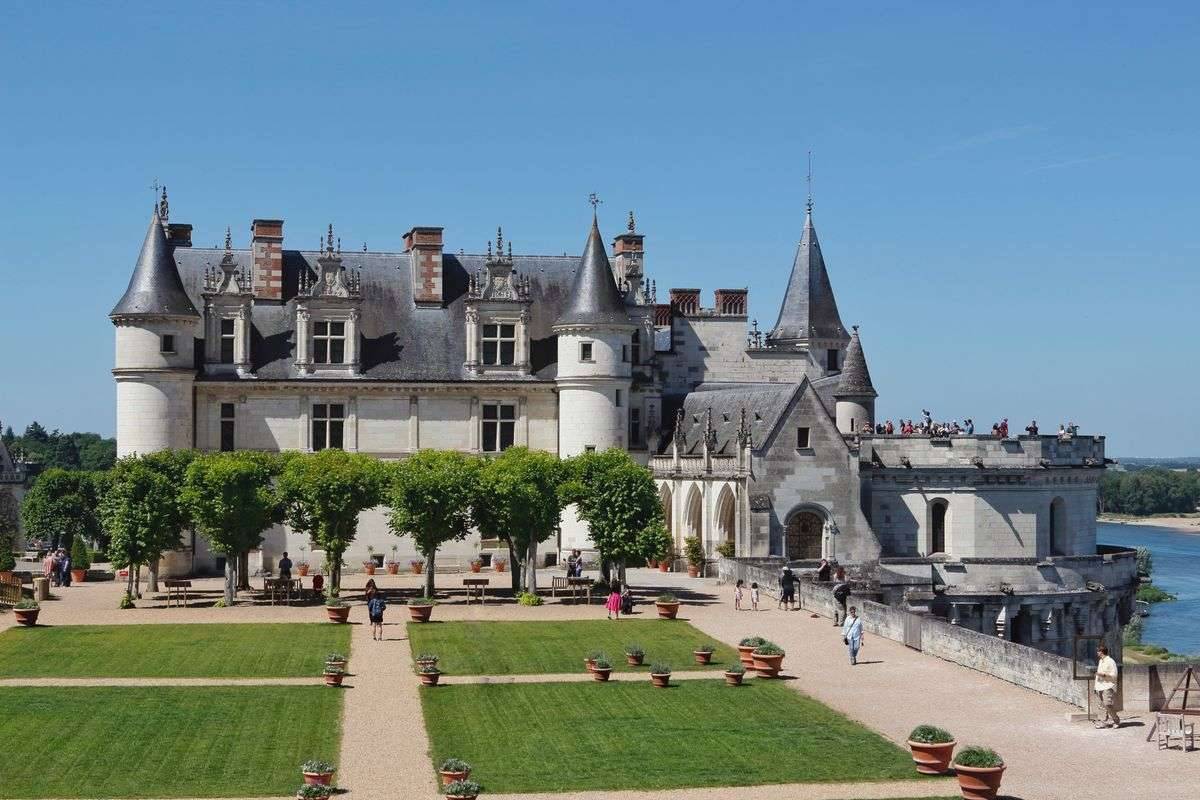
[[323, 495], [518, 501], [139, 513], [432, 499], [60, 505], [231, 501], [172, 465]]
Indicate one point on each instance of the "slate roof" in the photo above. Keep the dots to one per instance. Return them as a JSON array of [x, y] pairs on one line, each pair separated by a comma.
[[855, 379], [154, 288], [594, 298], [809, 310], [765, 404]]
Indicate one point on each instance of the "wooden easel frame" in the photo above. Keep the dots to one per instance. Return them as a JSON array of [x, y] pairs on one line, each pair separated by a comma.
[[1186, 683]]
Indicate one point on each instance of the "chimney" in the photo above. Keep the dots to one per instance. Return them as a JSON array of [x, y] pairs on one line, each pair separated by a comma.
[[731, 302], [686, 301], [662, 315], [628, 258], [267, 252], [425, 247], [179, 234]]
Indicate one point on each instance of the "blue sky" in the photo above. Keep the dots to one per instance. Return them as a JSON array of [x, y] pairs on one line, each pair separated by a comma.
[[1006, 198]]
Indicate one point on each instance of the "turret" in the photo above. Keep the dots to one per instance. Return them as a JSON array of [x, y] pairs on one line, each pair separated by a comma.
[[156, 327], [855, 394]]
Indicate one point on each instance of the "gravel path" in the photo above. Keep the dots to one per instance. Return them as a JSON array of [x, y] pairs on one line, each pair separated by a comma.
[[161, 682]]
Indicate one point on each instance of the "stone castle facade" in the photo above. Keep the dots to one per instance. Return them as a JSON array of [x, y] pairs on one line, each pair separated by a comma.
[[756, 439]]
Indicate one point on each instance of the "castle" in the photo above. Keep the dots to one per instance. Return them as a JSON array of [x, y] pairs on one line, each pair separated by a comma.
[[759, 439]]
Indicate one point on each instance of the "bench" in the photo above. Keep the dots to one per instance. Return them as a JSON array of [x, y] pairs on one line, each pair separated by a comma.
[[177, 588], [476, 586], [1175, 727]]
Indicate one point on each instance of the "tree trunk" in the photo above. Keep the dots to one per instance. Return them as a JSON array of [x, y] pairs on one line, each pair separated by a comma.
[[531, 567], [129, 581], [335, 572], [152, 576], [230, 579], [514, 567], [429, 568], [243, 570], [137, 582]]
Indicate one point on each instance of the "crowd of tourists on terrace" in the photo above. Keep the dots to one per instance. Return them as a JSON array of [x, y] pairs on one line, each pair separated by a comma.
[[938, 430]]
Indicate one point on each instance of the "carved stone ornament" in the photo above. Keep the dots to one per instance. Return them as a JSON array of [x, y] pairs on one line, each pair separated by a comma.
[[760, 502]]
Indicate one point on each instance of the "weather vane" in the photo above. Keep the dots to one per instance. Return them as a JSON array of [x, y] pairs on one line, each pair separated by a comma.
[[809, 180], [595, 200]]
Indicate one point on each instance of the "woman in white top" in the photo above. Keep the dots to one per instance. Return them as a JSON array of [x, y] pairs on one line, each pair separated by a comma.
[[852, 634]]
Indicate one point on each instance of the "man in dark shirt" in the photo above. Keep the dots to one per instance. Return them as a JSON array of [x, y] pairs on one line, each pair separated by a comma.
[[787, 589], [285, 567], [824, 571]]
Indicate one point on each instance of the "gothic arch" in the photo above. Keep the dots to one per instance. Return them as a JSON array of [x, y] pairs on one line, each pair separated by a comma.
[[938, 525], [664, 497], [693, 515], [726, 517], [804, 533]]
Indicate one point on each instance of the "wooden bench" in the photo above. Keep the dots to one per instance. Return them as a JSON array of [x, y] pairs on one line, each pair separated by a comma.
[[477, 585], [177, 589]]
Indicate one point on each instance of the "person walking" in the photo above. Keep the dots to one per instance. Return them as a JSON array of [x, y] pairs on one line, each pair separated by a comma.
[[852, 634], [613, 606], [376, 605], [841, 595], [1106, 688], [64, 568], [787, 589], [50, 568], [754, 596], [737, 595]]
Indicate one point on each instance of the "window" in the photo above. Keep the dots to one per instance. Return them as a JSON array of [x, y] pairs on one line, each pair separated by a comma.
[[585, 351], [329, 343], [167, 344], [589, 448], [625, 353], [937, 518], [637, 347], [831, 359], [618, 398], [499, 426], [802, 442], [328, 420], [227, 336], [635, 426], [499, 344], [227, 413]]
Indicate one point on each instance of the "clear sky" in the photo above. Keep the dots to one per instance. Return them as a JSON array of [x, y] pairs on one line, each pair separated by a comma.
[[1005, 195]]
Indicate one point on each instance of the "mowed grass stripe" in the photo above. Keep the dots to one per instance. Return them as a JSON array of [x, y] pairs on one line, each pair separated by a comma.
[[265, 650], [546, 648], [163, 741], [548, 737]]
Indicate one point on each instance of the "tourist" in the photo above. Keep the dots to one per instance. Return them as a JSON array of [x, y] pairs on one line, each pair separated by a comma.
[[627, 600], [970, 427], [64, 568], [737, 595], [852, 634], [574, 564], [285, 567], [996, 430], [375, 608], [1062, 433], [824, 569], [613, 606], [50, 567], [841, 594], [1032, 428], [926, 418], [754, 597], [787, 589], [1106, 688], [1004, 428], [888, 428]]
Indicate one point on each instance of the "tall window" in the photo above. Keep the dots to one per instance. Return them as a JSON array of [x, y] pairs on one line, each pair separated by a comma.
[[329, 343], [937, 521], [618, 398], [802, 438], [167, 345], [831, 358], [328, 422], [625, 353], [499, 426], [499, 344], [227, 336], [635, 426], [637, 347], [585, 351], [227, 419]]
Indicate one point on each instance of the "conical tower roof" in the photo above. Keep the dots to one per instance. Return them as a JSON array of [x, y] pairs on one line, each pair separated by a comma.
[[155, 289], [809, 310], [595, 299], [856, 378]]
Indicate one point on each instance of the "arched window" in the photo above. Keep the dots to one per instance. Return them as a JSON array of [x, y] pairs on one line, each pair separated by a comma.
[[726, 517], [937, 526], [1058, 527], [803, 540], [693, 516], [664, 496]]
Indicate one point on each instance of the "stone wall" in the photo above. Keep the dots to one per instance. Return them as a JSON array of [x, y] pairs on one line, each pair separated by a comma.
[[1145, 687]]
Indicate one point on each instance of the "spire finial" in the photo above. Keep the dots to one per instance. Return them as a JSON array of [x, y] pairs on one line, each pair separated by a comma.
[[329, 239], [808, 206], [164, 208], [228, 240], [499, 241], [855, 327], [632, 227], [595, 200], [339, 245]]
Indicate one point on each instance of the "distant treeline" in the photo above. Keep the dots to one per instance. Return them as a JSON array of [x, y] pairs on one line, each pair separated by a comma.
[[1135, 464], [86, 451], [1150, 491]]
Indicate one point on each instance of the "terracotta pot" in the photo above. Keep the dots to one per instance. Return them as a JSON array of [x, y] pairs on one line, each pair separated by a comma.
[[661, 681], [318, 778], [693, 571], [979, 783], [429, 678], [338, 613], [78, 575], [302, 570], [931, 759], [768, 666], [745, 655], [26, 616], [589, 664], [734, 678], [476, 566], [499, 566], [337, 664], [702, 657], [462, 797], [667, 610], [420, 613], [416, 568], [450, 777], [370, 568], [6, 575], [393, 569], [634, 661], [664, 566], [601, 674], [333, 678]]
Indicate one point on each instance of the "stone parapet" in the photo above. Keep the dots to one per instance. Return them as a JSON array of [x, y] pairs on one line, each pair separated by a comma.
[[1023, 452], [1113, 570]]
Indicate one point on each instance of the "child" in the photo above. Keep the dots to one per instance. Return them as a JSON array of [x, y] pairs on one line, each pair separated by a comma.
[[614, 601], [626, 601], [375, 607], [737, 595], [754, 597]]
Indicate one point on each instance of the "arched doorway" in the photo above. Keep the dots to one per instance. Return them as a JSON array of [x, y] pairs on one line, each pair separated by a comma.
[[1058, 527], [804, 532], [664, 497], [726, 518], [937, 526], [693, 520]]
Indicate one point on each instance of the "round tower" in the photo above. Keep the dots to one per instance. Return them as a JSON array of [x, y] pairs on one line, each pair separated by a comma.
[[156, 325], [855, 394]]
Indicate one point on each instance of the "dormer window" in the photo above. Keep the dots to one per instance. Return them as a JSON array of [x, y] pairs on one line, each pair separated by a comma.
[[329, 343], [585, 351], [166, 345], [227, 339], [499, 344]]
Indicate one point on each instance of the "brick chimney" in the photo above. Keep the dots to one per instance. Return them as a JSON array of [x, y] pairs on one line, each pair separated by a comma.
[[731, 302], [686, 301], [267, 251], [425, 247], [629, 252], [662, 315]]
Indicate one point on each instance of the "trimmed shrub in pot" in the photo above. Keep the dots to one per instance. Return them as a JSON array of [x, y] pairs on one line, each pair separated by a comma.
[[634, 654], [693, 551], [26, 611], [667, 605], [601, 669], [426, 660], [420, 608], [334, 675], [335, 660], [589, 661], [81, 560], [336, 609], [476, 565], [499, 564], [734, 675], [660, 675], [416, 565], [931, 749], [462, 790], [979, 771], [454, 769], [703, 653], [317, 772], [746, 650], [429, 674], [768, 659]]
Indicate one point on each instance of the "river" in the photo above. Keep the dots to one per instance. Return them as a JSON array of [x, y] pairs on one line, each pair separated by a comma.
[[1174, 625]]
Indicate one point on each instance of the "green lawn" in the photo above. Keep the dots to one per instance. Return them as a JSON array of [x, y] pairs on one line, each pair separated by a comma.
[[163, 741], [170, 651], [528, 648], [546, 737]]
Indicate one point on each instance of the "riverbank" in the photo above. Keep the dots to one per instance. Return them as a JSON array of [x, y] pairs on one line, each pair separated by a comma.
[[1187, 523]]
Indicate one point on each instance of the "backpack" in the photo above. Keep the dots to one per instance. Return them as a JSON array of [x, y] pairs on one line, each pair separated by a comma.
[[841, 591]]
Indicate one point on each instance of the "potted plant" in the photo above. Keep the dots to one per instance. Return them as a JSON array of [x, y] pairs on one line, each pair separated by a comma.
[[664, 564], [660, 675], [317, 772], [734, 675], [667, 605], [979, 771], [80, 560], [369, 564], [476, 565], [726, 549], [7, 562], [420, 608], [426, 659], [302, 564], [931, 749], [768, 659], [314, 791], [499, 564], [589, 661], [601, 669], [454, 769], [652, 563], [335, 660], [336, 609], [746, 650], [429, 674], [334, 675], [703, 653], [393, 566], [416, 565], [634, 655], [693, 551], [462, 790], [26, 611]]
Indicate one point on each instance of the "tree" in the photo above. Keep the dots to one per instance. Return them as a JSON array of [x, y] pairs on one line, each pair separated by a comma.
[[323, 494], [232, 501], [617, 499], [432, 497], [9, 437], [8, 530], [34, 432], [59, 505], [518, 501], [172, 465], [138, 510]]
